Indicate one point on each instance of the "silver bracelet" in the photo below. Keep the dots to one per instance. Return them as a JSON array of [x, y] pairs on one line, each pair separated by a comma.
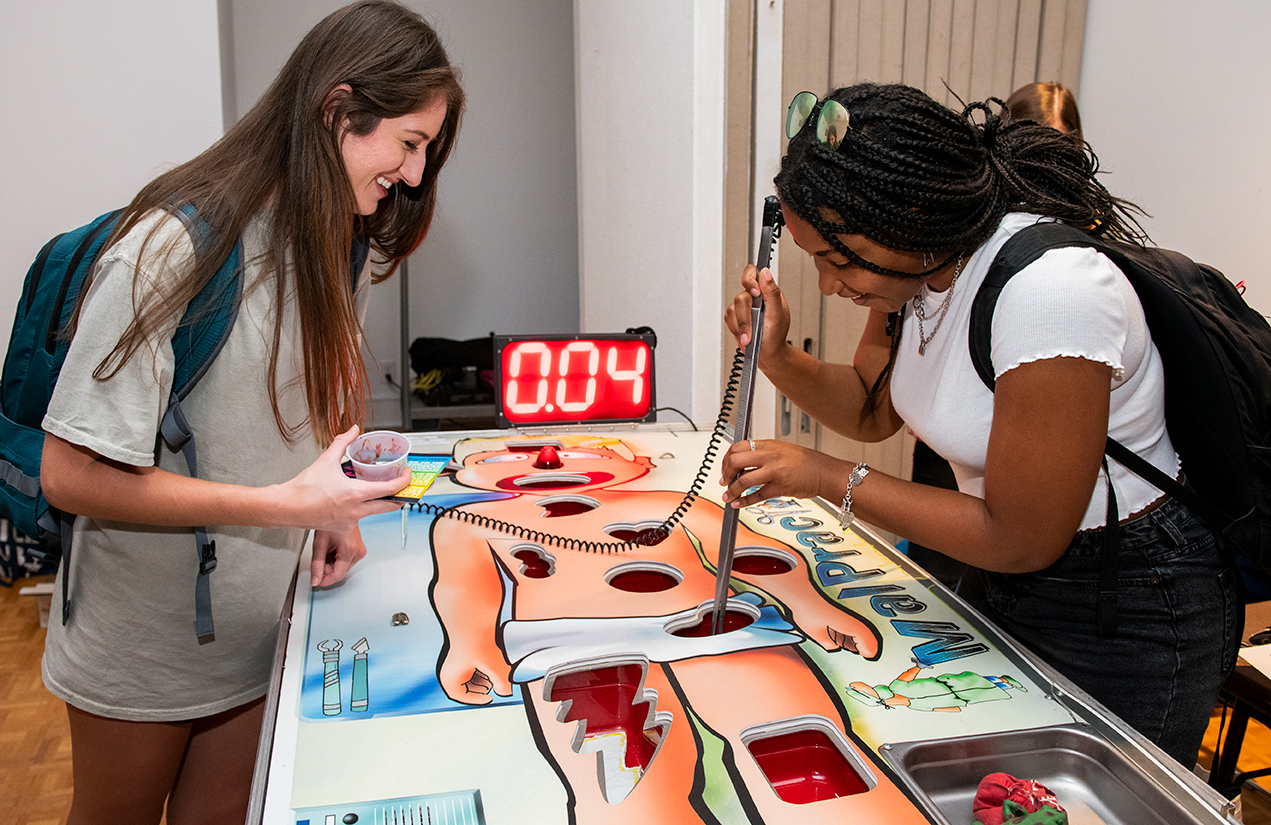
[[846, 516]]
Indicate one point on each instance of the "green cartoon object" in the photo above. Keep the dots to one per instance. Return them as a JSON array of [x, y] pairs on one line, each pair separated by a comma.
[[948, 692]]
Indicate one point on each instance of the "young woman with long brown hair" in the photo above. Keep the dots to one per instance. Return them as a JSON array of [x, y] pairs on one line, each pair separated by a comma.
[[342, 151]]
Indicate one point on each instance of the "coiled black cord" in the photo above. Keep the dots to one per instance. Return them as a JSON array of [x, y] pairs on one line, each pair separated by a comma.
[[647, 537]]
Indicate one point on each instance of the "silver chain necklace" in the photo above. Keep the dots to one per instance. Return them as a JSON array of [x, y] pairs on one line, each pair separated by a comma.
[[920, 310]]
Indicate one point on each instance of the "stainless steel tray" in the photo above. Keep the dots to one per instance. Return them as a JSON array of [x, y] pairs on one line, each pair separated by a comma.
[[1094, 782]]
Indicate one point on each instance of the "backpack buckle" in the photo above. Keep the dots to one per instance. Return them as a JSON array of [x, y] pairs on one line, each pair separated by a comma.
[[207, 558]]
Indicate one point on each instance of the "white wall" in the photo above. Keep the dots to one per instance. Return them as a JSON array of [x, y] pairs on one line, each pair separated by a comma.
[[1174, 101], [99, 98], [650, 99], [502, 255], [103, 98]]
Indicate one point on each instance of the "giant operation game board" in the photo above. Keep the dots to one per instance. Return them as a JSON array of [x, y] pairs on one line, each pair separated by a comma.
[[509, 652]]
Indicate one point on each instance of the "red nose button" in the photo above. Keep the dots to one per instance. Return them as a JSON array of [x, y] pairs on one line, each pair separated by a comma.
[[547, 459]]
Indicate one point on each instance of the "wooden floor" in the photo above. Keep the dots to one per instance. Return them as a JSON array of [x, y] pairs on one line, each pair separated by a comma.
[[1255, 753], [35, 744]]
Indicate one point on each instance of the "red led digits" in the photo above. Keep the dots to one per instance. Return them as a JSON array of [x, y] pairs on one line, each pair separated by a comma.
[[636, 376], [565, 384], [572, 380], [513, 371]]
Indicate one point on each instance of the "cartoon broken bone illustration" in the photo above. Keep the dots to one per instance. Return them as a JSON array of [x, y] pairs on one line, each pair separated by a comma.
[[617, 718], [946, 692]]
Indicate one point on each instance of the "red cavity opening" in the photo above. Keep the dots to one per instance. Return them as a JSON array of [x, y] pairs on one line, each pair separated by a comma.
[[733, 620], [761, 564], [567, 508], [648, 537], [604, 697], [804, 766], [550, 483], [524, 447], [643, 581], [536, 567]]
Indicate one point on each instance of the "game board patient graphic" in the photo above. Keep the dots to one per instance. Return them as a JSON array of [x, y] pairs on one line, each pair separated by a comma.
[[643, 714]]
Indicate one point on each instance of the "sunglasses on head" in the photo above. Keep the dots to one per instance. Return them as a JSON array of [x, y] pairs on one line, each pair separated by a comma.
[[831, 124]]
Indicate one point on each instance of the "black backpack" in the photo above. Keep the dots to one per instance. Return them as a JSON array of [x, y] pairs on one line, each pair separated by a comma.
[[33, 362], [1216, 352]]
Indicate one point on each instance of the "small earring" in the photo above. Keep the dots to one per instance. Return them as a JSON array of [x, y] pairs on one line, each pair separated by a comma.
[[928, 259]]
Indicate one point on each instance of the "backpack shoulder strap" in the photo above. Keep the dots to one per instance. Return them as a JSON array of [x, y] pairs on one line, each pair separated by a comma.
[[210, 315], [199, 338], [1023, 248], [358, 253]]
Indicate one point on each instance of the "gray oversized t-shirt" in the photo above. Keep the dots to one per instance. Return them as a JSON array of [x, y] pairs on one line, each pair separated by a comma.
[[129, 650]]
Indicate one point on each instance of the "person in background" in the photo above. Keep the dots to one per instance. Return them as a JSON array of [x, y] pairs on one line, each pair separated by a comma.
[[342, 150], [903, 217], [1050, 104]]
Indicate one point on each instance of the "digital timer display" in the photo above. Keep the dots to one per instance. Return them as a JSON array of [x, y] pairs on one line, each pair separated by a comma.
[[573, 379]]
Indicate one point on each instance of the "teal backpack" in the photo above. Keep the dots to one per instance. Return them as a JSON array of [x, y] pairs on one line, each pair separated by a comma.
[[37, 348]]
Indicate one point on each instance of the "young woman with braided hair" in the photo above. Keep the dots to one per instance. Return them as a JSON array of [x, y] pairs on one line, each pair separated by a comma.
[[903, 204]]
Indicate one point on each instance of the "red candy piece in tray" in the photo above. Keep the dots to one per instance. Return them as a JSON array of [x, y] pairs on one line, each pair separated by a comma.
[[1003, 799]]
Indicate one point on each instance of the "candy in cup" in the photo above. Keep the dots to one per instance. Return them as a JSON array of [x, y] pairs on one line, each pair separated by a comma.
[[379, 455]]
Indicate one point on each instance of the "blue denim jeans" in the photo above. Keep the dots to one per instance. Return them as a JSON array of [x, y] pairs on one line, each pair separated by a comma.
[[1179, 622]]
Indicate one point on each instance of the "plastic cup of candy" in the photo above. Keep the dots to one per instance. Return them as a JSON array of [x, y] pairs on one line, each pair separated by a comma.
[[379, 455]]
